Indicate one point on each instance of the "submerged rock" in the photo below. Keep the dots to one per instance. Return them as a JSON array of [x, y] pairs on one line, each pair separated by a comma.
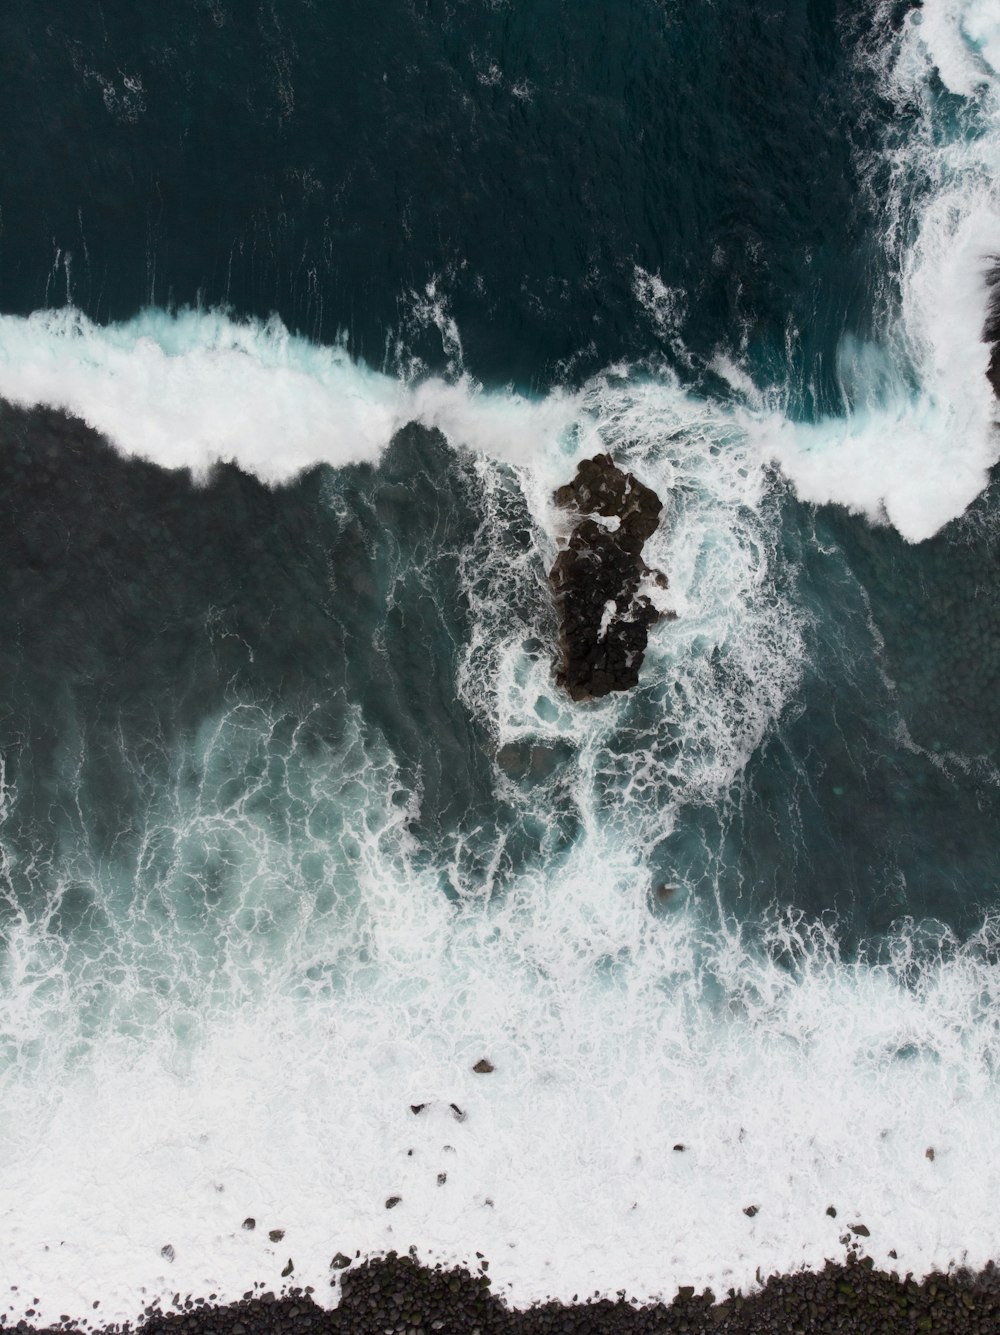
[[604, 617]]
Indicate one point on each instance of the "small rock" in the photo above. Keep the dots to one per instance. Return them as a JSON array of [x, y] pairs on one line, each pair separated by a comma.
[[249, 1224], [457, 1112], [442, 1179], [678, 1149], [340, 1262], [392, 1202], [167, 1252], [288, 1269], [929, 1153], [751, 1210], [859, 1230], [276, 1234], [831, 1212], [483, 1067], [417, 1108]]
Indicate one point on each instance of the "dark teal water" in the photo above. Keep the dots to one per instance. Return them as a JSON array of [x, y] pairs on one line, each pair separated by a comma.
[[235, 714], [327, 162]]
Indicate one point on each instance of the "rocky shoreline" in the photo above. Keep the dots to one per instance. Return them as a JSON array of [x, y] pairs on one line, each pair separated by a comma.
[[396, 1295]]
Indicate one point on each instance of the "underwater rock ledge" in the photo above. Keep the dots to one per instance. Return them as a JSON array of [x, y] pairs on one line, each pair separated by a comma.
[[604, 617], [399, 1296]]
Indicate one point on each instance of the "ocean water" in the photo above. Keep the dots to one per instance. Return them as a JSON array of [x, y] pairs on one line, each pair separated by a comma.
[[305, 310]]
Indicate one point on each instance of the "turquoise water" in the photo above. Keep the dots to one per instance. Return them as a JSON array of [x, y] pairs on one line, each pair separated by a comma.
[[304, 313]]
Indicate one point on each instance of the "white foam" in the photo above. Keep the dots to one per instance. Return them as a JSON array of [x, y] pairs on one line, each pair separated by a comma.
[[191, 389], [615, 1037], [920, 433], [273, 1047]]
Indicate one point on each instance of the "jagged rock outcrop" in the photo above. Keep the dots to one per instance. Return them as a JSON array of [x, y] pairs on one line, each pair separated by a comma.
[[991, 333], [604, 618]]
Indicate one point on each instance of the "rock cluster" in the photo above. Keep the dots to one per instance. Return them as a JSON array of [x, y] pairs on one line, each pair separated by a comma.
[[604, 618], [395, 1295]]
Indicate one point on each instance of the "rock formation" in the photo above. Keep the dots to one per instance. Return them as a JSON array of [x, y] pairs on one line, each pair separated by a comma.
[[604, 617], [991, 334]]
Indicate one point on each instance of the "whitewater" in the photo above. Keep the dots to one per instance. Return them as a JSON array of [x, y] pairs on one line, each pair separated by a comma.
[[658, 1073], [678, 1096]]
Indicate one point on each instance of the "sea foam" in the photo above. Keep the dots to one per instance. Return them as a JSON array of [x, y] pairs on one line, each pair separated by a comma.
[[657, 1073], [919, 431]]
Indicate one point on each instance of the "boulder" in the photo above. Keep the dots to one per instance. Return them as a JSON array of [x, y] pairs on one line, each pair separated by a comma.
[[604, 619]]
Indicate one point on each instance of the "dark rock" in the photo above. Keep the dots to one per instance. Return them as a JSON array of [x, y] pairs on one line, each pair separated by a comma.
[[604, 620], [860, 1230], [929, 1153], [340, 1262], [392, 1202], [457, 1112], [249, 1224], [991, 333], [751, 1210], [288, 1269], [533, 763], [167, 1252], [395, 1293], [831, 1211], [276, 1234], [484, 1067]]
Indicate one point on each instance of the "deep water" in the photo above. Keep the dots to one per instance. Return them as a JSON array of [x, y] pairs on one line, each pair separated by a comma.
[[328, 164], [305, 310]]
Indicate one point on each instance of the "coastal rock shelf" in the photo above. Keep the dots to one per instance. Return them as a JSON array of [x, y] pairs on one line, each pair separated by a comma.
[[601, 582]]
